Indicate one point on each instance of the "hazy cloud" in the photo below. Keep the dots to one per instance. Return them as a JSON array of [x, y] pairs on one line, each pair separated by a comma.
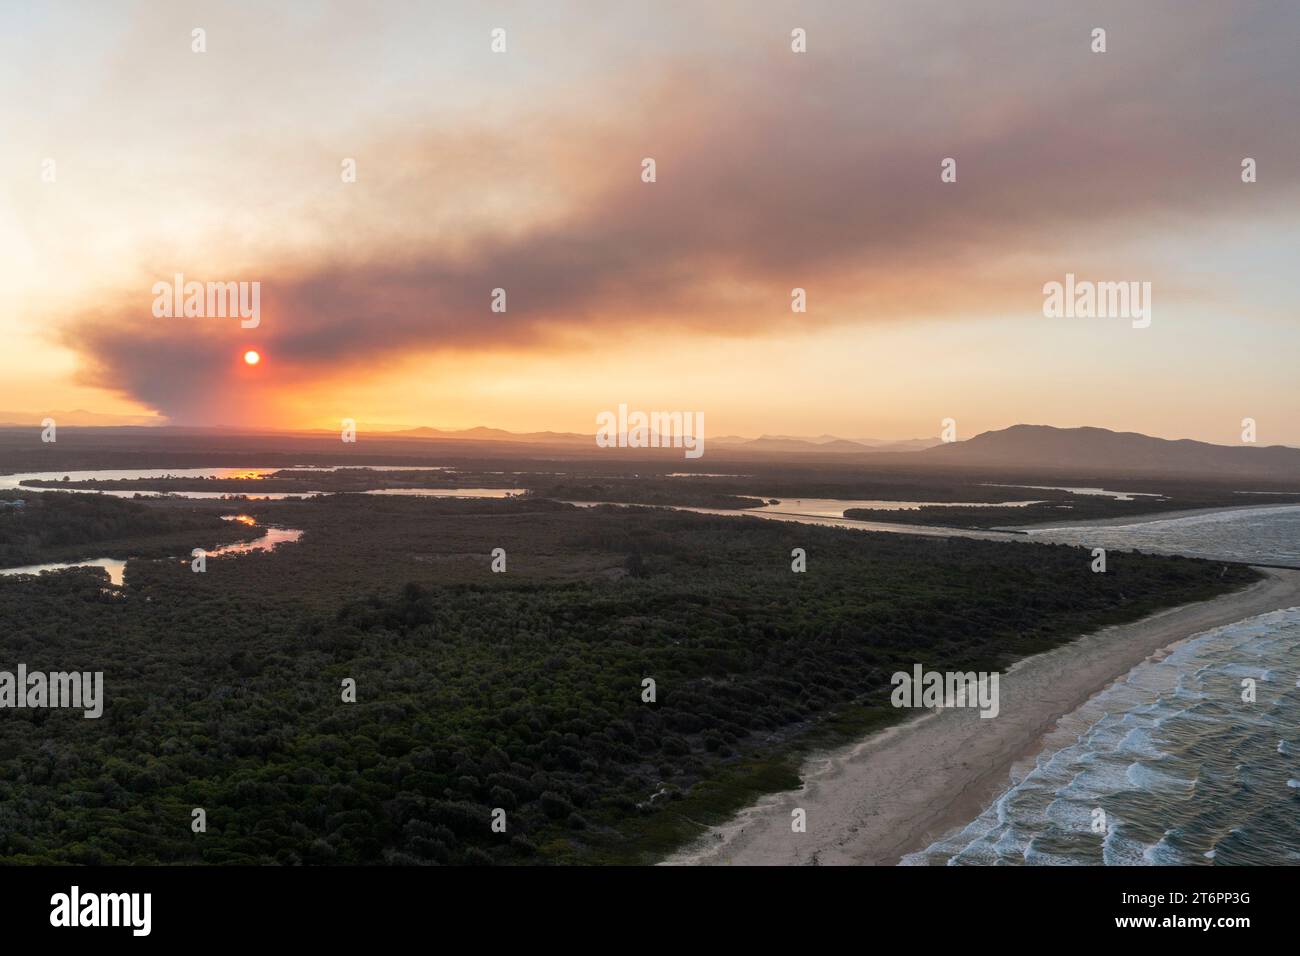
[[775, 170]]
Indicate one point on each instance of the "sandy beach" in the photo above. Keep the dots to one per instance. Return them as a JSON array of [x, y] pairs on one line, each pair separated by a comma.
[[1144, 518], [899, 790]]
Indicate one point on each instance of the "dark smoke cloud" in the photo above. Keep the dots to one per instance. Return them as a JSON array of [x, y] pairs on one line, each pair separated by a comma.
[[776, 171]]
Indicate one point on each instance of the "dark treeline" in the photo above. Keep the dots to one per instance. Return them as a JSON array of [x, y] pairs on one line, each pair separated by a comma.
[[690, 493], [291, 481], [1050, 505], [520, 690], [1058, 507], [62, 527]]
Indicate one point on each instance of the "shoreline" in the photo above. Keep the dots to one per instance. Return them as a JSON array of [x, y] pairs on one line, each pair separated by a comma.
[[1143, 518], [900, 789]]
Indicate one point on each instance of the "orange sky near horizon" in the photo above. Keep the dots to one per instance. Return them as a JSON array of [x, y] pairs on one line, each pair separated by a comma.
[[522, 170]]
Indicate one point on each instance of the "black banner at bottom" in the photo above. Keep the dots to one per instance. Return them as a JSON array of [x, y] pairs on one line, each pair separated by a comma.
[[336, 905]]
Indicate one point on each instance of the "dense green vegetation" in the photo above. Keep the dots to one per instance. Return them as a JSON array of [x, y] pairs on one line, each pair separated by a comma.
[[64, 527], [1060, 507], [520, 690], [688, 493]]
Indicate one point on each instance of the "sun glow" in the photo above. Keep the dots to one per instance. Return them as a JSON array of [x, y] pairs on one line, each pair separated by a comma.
[[251, 357]]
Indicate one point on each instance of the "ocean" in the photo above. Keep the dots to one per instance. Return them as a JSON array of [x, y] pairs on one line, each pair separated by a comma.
[[1175, 763]]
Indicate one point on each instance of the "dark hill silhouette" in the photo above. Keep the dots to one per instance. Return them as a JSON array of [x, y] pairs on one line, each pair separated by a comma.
[[1099, 450]]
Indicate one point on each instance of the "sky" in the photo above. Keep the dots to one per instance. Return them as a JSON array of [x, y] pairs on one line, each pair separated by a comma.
[[774, 170]]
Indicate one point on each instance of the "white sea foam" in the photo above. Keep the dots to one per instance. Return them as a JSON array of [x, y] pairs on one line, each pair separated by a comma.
[[1171, 755]]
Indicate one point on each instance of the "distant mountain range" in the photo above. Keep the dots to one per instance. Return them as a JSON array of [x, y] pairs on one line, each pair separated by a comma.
[[1042, 448], [1022, 449], [78, 417], [793, 444], [777, 444], [1101, 451], [482, 433], [824, 444]]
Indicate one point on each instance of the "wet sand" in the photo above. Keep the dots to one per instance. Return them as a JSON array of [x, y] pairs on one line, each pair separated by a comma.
[[1146, 518], [899, 790]]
